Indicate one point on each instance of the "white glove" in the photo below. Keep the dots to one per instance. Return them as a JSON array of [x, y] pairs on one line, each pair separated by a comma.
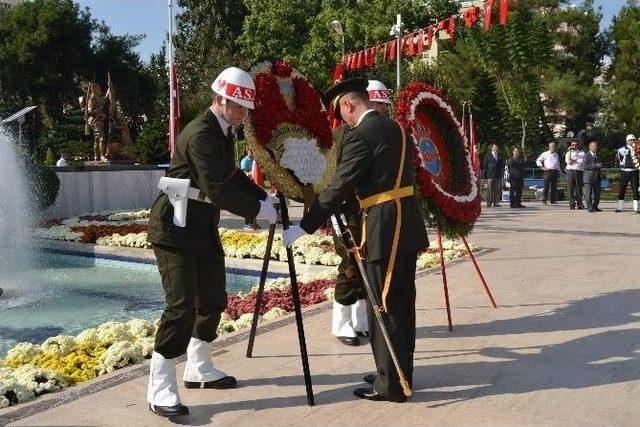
[[267, 211], [292, 234]]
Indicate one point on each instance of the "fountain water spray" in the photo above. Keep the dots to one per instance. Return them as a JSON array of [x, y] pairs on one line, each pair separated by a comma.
[[16, 216]]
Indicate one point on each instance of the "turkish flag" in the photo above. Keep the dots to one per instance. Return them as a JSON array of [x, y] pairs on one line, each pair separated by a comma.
[[420, 47], [412, 46], [488, 12], [504, 11], [429, 36], [471, 16], [451, 28], [392, 50]]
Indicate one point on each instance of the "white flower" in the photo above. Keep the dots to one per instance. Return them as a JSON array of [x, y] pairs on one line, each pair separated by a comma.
[[88, 338], [146, 346], [274, 313], [245, 321], [60, 345], [23, 353], [111, 332], [119, 355], [39, 380], [140, 328], [304, 158]]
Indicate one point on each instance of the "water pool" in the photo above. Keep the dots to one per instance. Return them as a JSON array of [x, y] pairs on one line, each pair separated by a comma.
[[64, 294]]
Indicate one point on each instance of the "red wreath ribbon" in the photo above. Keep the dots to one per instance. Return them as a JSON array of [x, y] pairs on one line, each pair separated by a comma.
[[432, 187]]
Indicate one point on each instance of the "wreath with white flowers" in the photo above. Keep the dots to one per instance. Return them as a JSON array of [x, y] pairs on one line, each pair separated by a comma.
[[289, 133], [444, 170]]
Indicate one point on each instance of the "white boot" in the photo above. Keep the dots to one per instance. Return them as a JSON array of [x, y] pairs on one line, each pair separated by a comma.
[[163, 386], [341, 325], [359, 316], [620, 206], [635, 207], [199, 367]]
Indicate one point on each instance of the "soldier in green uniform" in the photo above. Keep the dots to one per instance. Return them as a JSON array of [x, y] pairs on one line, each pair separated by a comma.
[[183, 229], [349, 320], [377, 166]]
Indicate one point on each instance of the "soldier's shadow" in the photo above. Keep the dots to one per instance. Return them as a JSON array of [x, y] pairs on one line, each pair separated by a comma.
[[592, 360]]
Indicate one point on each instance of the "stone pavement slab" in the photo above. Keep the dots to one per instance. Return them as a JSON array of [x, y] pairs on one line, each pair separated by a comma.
[[563, 348]]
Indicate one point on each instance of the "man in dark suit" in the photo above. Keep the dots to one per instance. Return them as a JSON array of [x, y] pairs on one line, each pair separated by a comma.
[[592, 165], [187, 244], [377, 166], [492, 171], [516, 178]]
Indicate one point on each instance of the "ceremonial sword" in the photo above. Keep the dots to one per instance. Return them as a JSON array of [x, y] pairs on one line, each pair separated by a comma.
[[347, 238]]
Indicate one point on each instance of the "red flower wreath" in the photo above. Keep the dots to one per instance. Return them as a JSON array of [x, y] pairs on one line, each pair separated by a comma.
[[419, 108], [271, 109]]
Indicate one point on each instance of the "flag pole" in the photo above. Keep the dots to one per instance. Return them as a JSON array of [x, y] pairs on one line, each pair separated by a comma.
[[172, 133]]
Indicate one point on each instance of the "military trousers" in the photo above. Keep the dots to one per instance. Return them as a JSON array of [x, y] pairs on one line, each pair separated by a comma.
[[195, 294], [401, 321]]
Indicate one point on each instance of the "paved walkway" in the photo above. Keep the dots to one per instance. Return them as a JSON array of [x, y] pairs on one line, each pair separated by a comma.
[[562, 349]]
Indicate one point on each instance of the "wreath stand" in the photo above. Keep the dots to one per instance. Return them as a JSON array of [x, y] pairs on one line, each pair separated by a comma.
[[295, 296], [443, 270]]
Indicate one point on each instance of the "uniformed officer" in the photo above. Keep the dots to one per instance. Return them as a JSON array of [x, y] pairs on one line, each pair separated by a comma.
[[349, 321], [377, 166], [190, 256]]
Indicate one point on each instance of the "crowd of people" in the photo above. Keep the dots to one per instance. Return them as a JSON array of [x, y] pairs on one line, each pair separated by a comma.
[[582, 171]]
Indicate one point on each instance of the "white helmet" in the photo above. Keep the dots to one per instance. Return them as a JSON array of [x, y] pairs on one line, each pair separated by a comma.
[[378, 92], [631, 137], [236, 85]]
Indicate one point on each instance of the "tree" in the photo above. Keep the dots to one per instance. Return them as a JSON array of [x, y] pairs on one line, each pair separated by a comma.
[[207, 39], [135, 87], [624, 73], [45, 50], [151, 145], [569, 80]]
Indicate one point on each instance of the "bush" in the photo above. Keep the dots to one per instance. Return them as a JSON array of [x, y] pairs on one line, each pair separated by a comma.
[[151, 145], [50, 159], [43, 184]]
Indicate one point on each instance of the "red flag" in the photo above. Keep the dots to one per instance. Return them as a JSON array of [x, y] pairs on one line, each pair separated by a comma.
[[385, 52], [360, 60], [392, 50], [429, 36], [372, 57], [412, 46], [420, 47], [471, 16], [442, 25], [504, 11], [174, 119], [451, 28], [488, 12]]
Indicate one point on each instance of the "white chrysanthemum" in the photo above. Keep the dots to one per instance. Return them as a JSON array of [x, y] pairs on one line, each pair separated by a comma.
[[23, 353], [304, 158], [274, 313], [119, 355], [111, 332], [140, 328], [60, 345], [39, 380], [146, 345], [88, 339]]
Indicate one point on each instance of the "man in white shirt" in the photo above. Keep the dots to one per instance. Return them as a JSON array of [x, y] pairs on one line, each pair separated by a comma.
[[574, 159], [62, 162], [549, 162]]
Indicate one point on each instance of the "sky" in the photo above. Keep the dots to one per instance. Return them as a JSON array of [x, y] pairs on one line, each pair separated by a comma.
[[150, 17]]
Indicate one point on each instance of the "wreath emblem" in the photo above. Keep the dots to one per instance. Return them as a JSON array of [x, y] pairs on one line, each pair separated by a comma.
[[444, 170]]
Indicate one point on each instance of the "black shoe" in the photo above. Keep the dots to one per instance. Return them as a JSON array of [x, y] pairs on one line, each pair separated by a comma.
[[573, 208], [618, 211], [370, 394], [169, 411], [221, 384], [352, 341], [370, 379], [591, 210], [597, 209], [363, 334], [521, 206], [554, 203]]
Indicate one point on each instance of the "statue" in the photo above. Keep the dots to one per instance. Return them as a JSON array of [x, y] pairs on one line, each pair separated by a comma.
[[95, 114], [116, 145]]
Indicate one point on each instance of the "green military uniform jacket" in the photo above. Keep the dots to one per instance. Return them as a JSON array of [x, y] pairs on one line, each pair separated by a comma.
[[368, 166], [206, 156]]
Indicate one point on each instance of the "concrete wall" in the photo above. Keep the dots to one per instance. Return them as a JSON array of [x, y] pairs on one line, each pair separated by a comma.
[[98, 188]]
